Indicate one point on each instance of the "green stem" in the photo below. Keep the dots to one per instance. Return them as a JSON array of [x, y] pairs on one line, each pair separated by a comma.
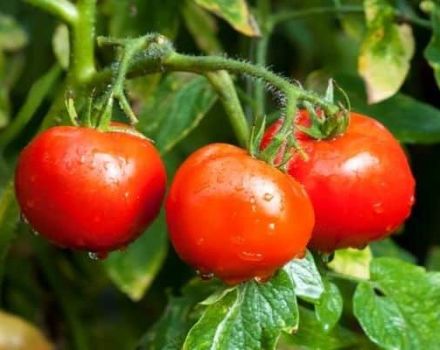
[[264, 10], [62, 9], [260, 59], [223, 84], [83, 42]]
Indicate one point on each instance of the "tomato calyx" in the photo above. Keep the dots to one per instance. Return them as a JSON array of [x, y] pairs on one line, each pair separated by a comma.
[[324, 125], [313, 120]]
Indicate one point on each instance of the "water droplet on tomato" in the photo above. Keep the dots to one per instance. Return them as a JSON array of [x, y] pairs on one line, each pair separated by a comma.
[[389, 228], [98, 255], [35, 232], [262, 279], [30, 203], [271, 226], [252, 200], [268, 197], [378, 208], [205, 275], [251, 256]]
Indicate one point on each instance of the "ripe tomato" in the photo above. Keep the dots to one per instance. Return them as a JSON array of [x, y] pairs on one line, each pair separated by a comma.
[[90, 190], [236, 217], [360, 183]]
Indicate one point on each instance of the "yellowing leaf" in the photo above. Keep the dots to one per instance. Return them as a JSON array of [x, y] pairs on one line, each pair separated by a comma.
[[235, 12], [352, 262], [386, 51], [17, 334]]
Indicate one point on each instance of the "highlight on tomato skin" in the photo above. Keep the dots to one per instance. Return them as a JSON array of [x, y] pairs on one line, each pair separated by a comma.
[[360, 183], [236, 217], [89, 190]]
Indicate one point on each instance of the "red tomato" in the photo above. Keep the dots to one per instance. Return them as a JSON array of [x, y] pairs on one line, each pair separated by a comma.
[[360, 183], [90, 190], [236, 217]]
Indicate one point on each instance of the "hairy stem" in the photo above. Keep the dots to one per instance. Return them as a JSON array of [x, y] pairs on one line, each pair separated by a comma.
[[224, 86]]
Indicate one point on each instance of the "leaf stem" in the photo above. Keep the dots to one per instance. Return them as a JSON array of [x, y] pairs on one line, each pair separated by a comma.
[[62, 9], [224, 86]]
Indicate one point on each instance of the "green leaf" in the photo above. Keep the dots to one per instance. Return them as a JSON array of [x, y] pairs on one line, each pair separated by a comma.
[[9, 217], [329, 307], [386, 51], [235, 12], [399, 308], [202, 27], [251, 316], [306, 277], [380, 318], [433, 259], [432, 51], [180, 314], [352, 262], [311, 337], [12, 36], [410, 120], [387, 248], [134, 269], [34, 99], [175, 109], [60, 45]]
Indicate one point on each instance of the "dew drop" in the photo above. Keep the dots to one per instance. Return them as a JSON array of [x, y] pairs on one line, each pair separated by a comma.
[[252, 200], [24, 219], [271, 226], [268, 197], [206, 276], [98, 255], [388, 229], [35, 232]]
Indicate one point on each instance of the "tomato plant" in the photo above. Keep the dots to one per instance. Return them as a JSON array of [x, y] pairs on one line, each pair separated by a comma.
[[89, 190], [360, 183], [258, 218], [100, 99]]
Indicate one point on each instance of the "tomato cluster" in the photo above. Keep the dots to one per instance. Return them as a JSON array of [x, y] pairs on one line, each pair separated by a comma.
[[228, 214]]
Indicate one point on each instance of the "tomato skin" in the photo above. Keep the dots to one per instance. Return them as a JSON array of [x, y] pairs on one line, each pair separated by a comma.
[[236, 217], [360, 183], [89, 190]]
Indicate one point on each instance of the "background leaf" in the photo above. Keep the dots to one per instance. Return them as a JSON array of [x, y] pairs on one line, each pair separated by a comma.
[[432, 52], [17, 334], [134, 269], [385, 52], [352, 262], [236, 12], [177, 107]]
